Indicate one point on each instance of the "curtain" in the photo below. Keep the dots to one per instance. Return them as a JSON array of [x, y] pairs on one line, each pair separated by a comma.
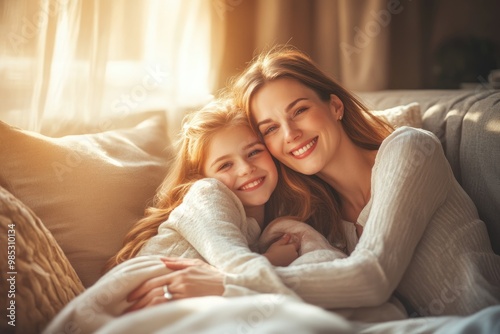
[[349, 39], [370, 45], [67, 61]]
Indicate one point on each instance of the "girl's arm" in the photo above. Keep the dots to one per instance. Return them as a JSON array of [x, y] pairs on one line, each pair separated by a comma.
[[213, 220], [409, 183]]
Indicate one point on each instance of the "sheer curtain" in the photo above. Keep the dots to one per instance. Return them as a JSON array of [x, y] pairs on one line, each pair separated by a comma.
[[67, 61]]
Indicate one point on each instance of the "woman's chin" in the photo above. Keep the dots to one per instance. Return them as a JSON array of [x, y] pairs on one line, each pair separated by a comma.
[[306, 170]]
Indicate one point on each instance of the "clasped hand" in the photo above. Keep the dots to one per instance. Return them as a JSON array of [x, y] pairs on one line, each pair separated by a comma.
[[283, 251], [190, 278]]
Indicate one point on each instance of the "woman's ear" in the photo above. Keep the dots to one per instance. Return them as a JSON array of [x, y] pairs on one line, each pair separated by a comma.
[[336, 107]]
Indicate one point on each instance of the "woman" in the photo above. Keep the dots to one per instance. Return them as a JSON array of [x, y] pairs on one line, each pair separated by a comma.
[[409, 227]]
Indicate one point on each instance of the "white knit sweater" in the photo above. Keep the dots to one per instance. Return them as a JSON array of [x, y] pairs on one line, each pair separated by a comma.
[[422, 236]]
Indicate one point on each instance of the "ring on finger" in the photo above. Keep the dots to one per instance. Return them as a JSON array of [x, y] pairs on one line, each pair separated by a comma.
[[166, 293]]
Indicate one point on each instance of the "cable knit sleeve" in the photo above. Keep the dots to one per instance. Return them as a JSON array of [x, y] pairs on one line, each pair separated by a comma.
[[213, 220], [410, 180]]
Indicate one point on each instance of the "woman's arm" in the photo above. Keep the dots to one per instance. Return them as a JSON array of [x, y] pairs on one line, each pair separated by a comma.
[[409, 183]]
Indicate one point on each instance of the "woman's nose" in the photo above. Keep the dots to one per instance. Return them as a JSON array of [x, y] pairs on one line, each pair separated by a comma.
[[292, 133]]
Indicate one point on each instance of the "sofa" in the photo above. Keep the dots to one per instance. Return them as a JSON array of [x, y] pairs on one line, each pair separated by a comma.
[[68, 198], [467, 122]]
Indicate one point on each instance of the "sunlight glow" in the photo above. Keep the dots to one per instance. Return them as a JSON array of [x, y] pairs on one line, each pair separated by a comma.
[[493, 125]]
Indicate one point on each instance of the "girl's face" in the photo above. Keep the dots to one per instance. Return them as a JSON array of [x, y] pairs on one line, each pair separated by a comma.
[[298, 128], [237, 158]]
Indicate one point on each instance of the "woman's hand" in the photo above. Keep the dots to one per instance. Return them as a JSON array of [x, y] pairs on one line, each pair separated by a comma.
[[283, 251], [190, 278]]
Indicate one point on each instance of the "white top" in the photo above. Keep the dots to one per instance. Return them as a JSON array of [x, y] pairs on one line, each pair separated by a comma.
[[211, 224], [422, 236]]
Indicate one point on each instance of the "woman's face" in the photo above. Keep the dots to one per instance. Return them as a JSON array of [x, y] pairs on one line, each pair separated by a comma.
[[237, 158], [298, 128]]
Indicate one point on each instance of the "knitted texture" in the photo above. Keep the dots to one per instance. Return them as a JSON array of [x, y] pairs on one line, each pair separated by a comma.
[[41, 279]]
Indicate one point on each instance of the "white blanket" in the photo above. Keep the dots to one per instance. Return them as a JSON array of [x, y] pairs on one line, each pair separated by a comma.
[[98, 310]]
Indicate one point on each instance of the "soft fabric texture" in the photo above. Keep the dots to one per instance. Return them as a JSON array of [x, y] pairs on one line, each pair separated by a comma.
[[467, 123], [225, 238], [38, 278], [99, 309], [422, 236], [314, 247], [404, 115], [123, 120], [87, 189]]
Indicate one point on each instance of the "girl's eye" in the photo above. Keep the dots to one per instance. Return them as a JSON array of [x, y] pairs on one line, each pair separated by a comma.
[[224, 166], [254, 152]]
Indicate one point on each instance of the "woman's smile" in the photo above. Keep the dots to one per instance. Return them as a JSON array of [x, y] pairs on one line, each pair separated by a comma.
[[305, 150]]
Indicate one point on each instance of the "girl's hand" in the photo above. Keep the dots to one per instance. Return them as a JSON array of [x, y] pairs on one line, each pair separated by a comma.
[[283, 252], [190, 278]]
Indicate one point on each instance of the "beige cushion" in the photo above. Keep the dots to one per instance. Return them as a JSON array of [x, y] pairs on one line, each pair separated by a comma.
[[87, 189], [409, 115], [39, 281]]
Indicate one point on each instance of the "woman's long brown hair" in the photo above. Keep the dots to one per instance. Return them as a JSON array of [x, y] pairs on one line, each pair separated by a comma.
[[363, 128]]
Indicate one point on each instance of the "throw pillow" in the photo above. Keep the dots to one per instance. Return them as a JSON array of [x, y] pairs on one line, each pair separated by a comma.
[[409, 115], [39, 280], [87, 189]]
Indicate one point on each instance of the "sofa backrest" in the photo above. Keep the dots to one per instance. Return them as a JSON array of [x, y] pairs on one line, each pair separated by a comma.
[[467, 122]]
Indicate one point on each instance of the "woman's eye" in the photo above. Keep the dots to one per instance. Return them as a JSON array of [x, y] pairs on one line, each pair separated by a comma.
[[269, 130], [300, 111]]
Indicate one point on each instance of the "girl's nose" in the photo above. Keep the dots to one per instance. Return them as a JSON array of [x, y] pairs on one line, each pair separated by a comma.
[[246, 168]]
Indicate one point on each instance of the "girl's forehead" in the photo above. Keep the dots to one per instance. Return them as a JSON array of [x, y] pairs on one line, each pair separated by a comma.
[[231, 141], [236, 133]]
